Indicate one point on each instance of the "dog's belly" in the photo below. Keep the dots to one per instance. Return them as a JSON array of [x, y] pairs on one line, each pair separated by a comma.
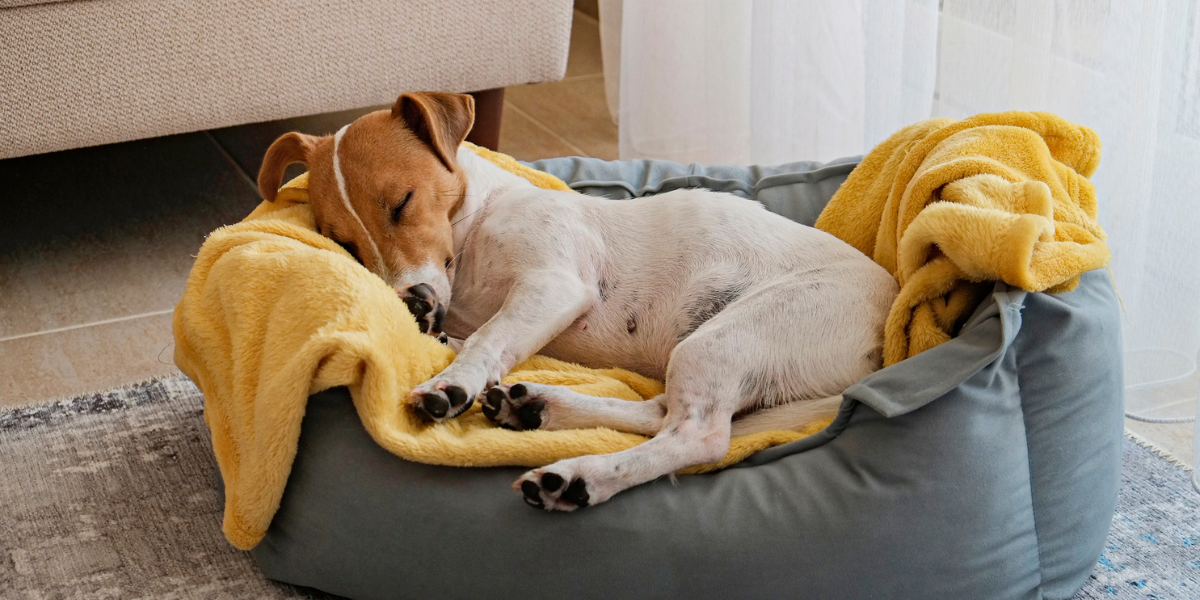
[[595, 354], [632, 326], [615, 335]]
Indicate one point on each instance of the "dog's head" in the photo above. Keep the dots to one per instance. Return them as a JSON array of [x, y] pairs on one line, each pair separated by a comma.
[[385, 187]]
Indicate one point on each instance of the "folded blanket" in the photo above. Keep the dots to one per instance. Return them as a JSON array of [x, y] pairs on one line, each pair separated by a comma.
[[274, 312], [950, 206]]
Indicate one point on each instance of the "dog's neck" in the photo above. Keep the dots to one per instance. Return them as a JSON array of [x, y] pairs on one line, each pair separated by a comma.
[[485, 183]]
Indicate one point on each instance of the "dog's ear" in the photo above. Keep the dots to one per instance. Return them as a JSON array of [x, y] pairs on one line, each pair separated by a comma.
[[289, 148], [438, 119]]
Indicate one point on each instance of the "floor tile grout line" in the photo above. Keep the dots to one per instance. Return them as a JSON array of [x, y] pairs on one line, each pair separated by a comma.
[[547, 129], [229, 157], [84, 325]]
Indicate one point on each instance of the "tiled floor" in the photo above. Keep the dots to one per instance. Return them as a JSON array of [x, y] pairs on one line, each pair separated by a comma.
[[96, 243]]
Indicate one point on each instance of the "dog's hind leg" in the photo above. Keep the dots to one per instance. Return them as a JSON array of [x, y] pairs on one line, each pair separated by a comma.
[[693, 432], [700, 402], [799, 338], [552, 407]]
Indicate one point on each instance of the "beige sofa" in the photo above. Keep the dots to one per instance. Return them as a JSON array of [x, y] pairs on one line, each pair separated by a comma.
[[84, 72]]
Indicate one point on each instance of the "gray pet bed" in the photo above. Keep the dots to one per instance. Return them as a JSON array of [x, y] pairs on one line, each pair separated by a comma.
[[986, 467]]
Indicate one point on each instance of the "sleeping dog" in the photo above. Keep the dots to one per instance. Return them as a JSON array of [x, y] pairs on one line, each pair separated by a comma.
[[744, 313]]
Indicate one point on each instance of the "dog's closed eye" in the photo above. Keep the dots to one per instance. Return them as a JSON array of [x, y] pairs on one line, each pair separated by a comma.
[[399, 208]]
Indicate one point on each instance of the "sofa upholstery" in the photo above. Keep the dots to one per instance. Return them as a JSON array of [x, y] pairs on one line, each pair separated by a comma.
[[78, 73]]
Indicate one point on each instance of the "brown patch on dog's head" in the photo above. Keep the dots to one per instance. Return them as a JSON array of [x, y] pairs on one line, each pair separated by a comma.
[[402, 184]]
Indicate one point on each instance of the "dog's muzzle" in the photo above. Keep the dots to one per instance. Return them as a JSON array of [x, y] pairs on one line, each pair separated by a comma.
[[423, 305]]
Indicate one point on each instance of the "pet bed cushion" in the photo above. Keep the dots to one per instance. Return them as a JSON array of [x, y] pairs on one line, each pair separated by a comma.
[[985, 467]]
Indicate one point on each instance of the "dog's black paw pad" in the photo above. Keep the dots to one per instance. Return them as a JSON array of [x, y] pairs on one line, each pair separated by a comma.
[[457, 396], [532, 494], [491, 403], [530, 415], [494, 398], [550, 482], [556, 492], [515, 407], [432, 405], [576, 493]]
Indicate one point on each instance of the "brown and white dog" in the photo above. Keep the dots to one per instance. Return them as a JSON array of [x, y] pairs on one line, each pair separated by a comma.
[[743, 312]]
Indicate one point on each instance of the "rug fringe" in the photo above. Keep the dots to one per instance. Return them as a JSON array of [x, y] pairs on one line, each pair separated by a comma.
[[160, 378], [1165, 455]]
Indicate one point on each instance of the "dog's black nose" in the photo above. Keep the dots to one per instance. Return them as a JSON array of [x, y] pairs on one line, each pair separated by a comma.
[[423, 305]]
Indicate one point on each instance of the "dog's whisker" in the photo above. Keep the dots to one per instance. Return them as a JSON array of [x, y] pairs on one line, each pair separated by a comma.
[[464, 218]]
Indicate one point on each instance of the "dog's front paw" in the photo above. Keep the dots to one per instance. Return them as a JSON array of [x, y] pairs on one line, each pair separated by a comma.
[[548, 490], [437, 400], [513, 407], [423, 303]]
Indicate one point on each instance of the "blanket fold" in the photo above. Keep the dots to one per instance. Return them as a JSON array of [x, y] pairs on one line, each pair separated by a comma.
[[274, 312], [951, 206]]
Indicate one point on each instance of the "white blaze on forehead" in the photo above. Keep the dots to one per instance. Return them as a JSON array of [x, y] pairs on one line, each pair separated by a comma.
[[337, 165], [341, 183]]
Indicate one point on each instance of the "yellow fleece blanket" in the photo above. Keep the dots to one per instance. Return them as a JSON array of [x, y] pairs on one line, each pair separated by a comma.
[[274, 312], [951, 206]]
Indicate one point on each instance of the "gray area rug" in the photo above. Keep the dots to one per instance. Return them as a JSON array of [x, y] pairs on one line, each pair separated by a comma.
[[113, 495], [1153, 548]]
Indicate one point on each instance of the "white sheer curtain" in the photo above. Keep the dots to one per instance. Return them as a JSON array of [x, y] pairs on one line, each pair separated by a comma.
[[769, 81], [766, 81]]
